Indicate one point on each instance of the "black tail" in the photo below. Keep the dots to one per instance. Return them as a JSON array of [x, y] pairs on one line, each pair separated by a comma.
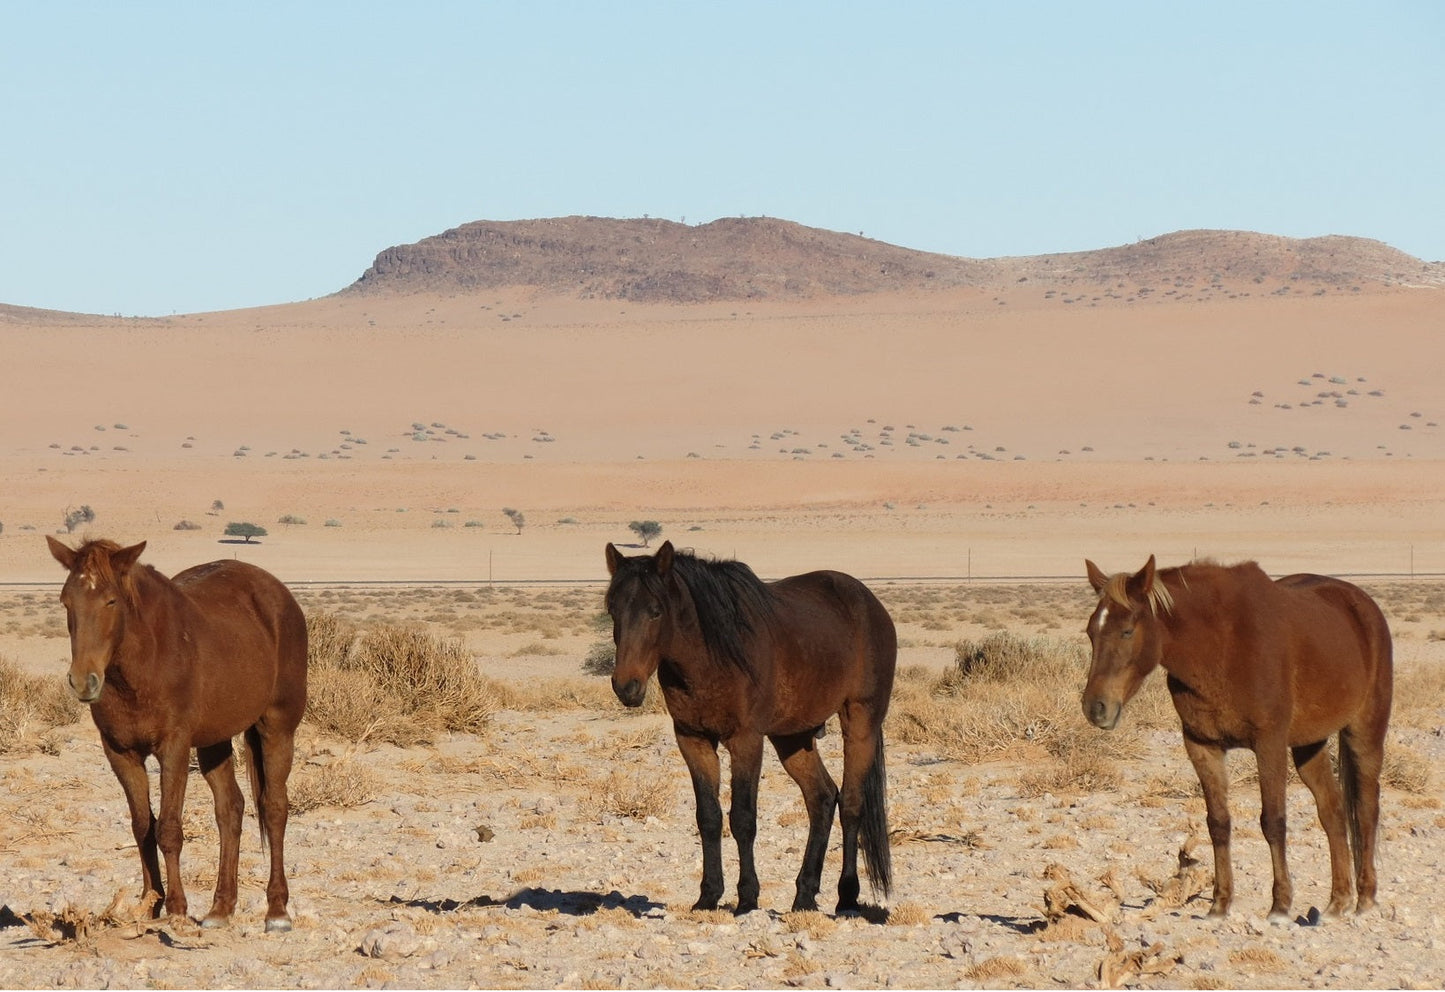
[[256, 772], [873, 823]]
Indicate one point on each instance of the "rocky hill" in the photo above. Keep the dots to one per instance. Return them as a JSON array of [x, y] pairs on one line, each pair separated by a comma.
[[747, 258]]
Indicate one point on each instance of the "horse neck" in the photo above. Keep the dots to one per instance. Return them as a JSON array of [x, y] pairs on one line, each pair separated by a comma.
[[1185, 628], [152, 599]]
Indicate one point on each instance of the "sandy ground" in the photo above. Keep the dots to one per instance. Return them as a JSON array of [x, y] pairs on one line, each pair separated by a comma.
[[942, 437]]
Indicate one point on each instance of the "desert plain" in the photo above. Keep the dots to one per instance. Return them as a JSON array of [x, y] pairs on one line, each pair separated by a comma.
[[960, 448]]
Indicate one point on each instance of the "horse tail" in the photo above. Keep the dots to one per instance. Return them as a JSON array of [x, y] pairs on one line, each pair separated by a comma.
[[873, 821], [256, 772]]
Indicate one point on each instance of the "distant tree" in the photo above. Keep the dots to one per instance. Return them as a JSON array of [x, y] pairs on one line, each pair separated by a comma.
[[217, 506], [290, 519], [646, 530], [75, 517], [517, 518], [246, 530]]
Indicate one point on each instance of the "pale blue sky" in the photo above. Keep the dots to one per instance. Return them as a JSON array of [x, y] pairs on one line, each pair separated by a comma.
[[159, 157]]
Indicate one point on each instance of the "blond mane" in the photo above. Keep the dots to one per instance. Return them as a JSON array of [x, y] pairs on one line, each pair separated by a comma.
[[1159, 598]]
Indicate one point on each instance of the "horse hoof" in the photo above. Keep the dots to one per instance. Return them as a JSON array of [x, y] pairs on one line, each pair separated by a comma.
[[278, 924], [745, 908], [214, 922], [805, 905]]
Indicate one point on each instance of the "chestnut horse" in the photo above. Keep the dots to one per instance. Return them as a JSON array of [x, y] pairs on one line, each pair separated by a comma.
[[738, 660], [1274, 666], [167, 665]]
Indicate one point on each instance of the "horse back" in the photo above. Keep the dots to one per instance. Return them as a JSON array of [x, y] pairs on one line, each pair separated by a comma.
[[247, 629], [838, 626], [1342, 649]]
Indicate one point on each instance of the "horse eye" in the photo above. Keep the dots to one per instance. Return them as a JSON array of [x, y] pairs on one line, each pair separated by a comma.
[[654, 610], [1126, 634]]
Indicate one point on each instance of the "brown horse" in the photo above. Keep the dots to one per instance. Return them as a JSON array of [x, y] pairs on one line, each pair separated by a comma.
[[167, 665], [1274, 666], [738, 660]]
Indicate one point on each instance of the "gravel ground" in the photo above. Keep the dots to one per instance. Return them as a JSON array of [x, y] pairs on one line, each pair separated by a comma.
[[502, 862]]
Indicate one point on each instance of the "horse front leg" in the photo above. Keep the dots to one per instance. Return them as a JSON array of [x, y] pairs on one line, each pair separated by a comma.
[[700, 753], [219, 768], [1208, 764], [1273, 772], [129, 768], [746, 754], [170, 833]]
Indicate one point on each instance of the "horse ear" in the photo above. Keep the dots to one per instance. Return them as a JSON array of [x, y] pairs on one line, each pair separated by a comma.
[[1145, 578], [614, 559], [63, 553], [1097, 578], [664, 558], [124, 559]]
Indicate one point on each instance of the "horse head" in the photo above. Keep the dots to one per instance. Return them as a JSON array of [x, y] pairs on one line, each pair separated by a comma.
[[643, 599], [97, 595], [1124, 631]]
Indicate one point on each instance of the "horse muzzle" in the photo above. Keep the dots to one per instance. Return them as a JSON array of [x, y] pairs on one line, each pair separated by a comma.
[[88, 690], [1103, 713], [630, 692]]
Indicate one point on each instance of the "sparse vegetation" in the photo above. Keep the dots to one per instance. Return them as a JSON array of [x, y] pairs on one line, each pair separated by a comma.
[[29, 706], [517, 518], [75, 516], [187, 525]]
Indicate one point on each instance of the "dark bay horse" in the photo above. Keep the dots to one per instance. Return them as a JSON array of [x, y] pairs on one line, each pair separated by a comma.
[[167, 665], [738, 660], [1274, 666]]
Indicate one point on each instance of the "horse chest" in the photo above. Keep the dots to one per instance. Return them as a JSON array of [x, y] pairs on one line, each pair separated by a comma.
[[1205, 718]]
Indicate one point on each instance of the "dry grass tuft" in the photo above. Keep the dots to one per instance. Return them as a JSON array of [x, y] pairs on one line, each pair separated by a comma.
[[1406, 770], [989, 971], [908, 914], [344, 783], [815, 924], [635, 794], [29, 706]]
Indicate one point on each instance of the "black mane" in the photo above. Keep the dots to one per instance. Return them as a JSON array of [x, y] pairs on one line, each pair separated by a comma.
[[731, 603]]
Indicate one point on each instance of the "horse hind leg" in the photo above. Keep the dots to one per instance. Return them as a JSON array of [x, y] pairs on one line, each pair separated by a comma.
[[270, 753], [219, 768], [803, 764], [1361, 762], [864, 806], [1312, 761]]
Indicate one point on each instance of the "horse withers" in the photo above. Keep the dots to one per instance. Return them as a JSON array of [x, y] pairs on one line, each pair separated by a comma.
[[1273, 666], [167, 665], [738, 660]]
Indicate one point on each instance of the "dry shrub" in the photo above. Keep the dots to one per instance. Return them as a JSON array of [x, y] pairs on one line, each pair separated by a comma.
[[344, 783], [29, 706], [394, 683], [1419, 694], [1006, 691]]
